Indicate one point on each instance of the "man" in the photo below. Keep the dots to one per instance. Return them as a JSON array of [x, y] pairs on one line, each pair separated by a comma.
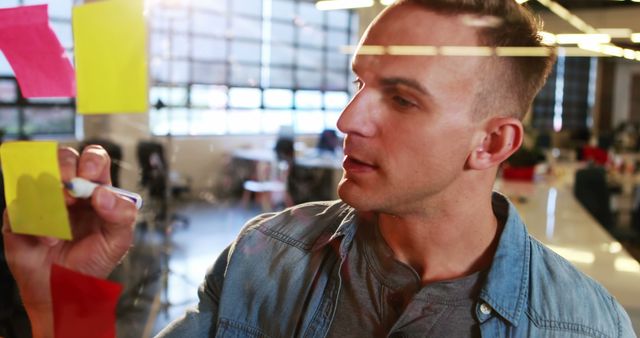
[[418, 245]]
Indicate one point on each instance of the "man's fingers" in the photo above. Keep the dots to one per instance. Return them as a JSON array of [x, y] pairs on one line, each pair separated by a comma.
[[68, 160], [113, 208], [94, 165]]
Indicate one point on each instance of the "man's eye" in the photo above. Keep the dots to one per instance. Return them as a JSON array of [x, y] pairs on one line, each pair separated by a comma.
[[402, 102], [357, 83]]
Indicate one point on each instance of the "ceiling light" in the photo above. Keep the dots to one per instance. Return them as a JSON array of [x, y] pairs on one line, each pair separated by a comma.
[[571, 39], [386, 2], [635, 37], [326, 5], [547, 38], [616, 33], [629, 54], [613, 50]]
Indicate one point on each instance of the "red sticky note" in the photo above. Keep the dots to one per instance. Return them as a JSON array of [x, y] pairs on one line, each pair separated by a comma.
[[83, 306], [35, 53]]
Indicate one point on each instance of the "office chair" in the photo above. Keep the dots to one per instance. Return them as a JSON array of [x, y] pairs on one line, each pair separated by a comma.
[[592, 191]]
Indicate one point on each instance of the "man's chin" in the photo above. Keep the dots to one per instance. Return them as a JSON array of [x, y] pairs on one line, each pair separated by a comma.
[[355, 196]]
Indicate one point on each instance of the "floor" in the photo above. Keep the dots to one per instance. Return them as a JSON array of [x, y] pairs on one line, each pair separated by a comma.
[[183, 257]]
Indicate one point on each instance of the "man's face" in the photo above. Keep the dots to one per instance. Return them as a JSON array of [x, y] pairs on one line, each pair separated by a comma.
[[410, 126]]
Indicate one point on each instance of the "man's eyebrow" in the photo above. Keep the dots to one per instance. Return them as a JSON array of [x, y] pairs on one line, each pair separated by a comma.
[[395, 81]]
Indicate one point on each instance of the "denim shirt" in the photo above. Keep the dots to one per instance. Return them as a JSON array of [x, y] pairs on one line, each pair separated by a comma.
[[280, 278]]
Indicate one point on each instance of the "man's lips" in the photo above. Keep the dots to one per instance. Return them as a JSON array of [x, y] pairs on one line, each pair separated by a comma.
[[353, 164]]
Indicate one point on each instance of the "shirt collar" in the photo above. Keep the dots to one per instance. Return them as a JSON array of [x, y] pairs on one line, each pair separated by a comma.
[[506, 285], [344, 232]]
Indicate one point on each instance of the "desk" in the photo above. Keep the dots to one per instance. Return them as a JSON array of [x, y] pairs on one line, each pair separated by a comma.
[[555, 218], [308, 159], [317, 173]]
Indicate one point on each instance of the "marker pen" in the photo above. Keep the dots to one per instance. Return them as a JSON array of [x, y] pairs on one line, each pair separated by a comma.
[[81, 188]]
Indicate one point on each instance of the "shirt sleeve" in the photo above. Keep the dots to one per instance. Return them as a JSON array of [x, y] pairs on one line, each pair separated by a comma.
[[200, 322], [625, 328]]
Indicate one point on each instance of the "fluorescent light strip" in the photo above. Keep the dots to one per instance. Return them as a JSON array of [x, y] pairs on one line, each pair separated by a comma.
[[617, 33], [578, 23], [413, 50], [449, 50], [629, 54], [583, 50], [466, 51], [570, 39], [523, 51], [327, 5], [547, 38], [567, 16]]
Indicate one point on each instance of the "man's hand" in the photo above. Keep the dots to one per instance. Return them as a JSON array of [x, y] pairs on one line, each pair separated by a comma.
[[102, 230]]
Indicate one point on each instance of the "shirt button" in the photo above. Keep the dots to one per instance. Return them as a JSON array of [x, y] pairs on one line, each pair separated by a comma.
[[485, 309]]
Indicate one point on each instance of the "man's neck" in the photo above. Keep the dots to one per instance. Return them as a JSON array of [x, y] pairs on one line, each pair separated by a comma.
[[453, 242]]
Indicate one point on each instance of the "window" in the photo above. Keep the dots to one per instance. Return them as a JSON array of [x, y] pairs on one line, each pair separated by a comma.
[[42, 116], [248, 67], [565, 101]]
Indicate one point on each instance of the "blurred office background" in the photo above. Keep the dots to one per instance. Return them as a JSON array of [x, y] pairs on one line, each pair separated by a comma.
[[243, 101]]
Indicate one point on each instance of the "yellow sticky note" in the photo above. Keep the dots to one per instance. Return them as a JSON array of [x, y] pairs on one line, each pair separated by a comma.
[[33, 189], [110, 41]]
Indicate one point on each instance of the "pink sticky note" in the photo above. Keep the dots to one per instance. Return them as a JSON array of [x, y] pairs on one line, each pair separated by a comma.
[[83, 306], [35, 53]]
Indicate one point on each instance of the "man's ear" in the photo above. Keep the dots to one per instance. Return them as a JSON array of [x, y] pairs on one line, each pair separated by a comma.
[[500, 137]]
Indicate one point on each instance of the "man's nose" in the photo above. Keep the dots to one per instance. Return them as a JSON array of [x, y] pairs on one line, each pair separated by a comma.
[[358, 117]]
